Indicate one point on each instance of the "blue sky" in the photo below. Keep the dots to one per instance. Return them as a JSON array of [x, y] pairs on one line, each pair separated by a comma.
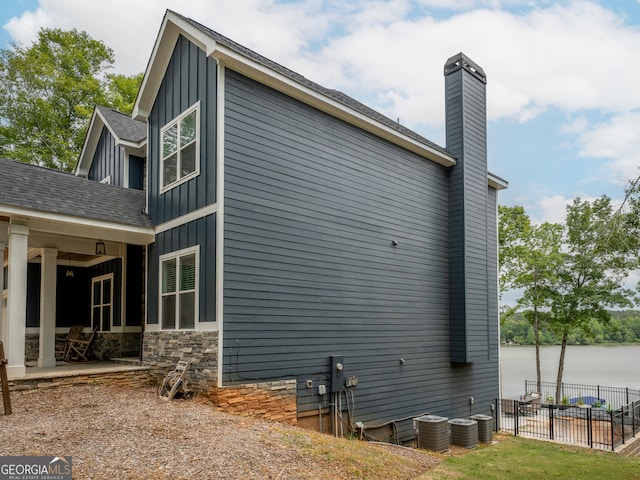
[[563, 95]]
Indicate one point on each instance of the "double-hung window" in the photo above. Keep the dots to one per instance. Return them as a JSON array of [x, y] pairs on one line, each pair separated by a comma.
[[180, 148], [179, 289]]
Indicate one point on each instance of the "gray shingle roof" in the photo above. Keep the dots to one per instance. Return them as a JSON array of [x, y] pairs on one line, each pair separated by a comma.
[[332, 94], [125, 127], [52, 191]]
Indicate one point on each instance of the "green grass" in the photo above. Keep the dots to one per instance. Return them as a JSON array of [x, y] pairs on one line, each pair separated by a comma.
[[523, 459]]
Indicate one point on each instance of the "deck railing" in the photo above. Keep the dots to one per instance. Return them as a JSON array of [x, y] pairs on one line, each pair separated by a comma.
[[609, 397]]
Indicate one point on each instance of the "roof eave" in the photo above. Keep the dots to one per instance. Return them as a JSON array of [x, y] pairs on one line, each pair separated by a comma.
[[315, 99], [90, 144], [173, 26], [497, 182], [52, 222]]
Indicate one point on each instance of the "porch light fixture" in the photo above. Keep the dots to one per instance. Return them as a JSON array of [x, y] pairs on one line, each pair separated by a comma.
[[101, 249]]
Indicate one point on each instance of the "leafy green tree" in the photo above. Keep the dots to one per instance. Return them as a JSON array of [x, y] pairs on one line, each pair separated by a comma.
[[122, 91], [599, 252], [48, 92], [530, 259]]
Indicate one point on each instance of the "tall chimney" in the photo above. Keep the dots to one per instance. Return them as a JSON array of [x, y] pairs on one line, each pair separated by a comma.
[[466, 125]]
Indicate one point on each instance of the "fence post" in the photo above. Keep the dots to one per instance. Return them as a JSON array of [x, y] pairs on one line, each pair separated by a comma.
[[622, 422], [516, 417], [589, 427], [613, 443], [550, 422], [599, 393], [627, 392]]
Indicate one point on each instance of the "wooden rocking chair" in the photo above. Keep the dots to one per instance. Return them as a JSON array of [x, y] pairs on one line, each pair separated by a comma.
[[79, 348], [75, 333]]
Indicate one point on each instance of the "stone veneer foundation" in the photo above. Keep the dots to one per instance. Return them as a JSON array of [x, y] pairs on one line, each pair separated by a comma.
[[165, 349], [269, 400]]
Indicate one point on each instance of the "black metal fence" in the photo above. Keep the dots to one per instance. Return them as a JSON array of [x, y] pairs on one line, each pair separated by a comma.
[[574, 394], [583, 424]]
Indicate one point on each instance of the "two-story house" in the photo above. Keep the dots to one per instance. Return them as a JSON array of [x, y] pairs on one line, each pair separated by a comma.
[[309, 254]]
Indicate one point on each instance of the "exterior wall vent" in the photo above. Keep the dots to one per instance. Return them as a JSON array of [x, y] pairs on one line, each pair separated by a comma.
[[464, 433], [433, 432]]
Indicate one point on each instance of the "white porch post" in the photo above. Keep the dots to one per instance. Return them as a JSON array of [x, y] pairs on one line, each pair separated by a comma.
[[17, 300], [3, 320], [47, 355]]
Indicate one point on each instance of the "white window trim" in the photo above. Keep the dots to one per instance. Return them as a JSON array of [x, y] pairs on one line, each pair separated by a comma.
[[100, 279], [196, 311], [176, 121]]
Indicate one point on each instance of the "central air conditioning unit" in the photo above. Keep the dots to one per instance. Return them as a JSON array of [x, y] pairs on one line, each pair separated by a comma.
[[432, 432], [464, 433], [485, 427]]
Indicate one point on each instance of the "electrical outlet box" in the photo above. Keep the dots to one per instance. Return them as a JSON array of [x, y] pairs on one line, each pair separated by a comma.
[[471, 400], [309, 383], [322, 389]]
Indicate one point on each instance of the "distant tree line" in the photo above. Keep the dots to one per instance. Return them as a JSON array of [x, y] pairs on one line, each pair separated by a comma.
[[622, 327]]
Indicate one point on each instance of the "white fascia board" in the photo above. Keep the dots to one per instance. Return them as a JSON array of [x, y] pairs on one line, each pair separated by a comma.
[[172, 27], [59, 223], [292, 88], [497, 182], [90, 144]]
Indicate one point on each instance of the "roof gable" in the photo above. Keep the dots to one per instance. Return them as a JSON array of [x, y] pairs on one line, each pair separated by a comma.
[[127, 132]]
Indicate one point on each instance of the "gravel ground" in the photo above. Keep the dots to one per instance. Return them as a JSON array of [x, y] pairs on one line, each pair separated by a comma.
[[124, 433]]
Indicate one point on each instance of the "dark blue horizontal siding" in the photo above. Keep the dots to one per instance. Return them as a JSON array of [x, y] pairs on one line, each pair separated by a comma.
[[311, 208]]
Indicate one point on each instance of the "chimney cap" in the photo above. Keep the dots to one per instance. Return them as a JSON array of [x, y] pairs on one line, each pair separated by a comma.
[[461, 61]]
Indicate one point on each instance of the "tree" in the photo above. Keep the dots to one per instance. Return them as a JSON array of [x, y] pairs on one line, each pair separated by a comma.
[[530, 259], [122, 91], [48, 92], [599, 251]]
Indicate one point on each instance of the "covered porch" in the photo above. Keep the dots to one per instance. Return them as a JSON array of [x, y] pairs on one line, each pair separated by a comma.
[[73, 253]]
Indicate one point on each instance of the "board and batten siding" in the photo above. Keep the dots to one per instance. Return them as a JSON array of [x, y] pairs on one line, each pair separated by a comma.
[[312, 205], [108, 160], [190, 78], [201, 232]]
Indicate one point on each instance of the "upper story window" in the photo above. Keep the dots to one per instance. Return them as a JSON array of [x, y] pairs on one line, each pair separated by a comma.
[[180, 148]]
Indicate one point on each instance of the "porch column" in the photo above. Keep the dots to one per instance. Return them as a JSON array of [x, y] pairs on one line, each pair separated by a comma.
[[48, 275], [17, 300], [3, 320]]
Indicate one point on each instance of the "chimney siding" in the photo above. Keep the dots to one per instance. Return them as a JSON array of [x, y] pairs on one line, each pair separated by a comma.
[[469, 208]]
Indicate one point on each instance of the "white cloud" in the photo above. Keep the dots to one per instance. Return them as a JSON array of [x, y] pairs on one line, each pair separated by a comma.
[[550, 209], [616, 141]]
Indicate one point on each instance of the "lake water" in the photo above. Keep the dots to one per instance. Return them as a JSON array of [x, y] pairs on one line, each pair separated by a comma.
[[611, 366]]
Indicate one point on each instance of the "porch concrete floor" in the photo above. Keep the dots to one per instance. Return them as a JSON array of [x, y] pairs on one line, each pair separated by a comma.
[[64, 369]]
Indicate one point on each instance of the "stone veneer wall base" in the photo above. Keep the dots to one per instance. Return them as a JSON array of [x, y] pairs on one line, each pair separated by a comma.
[[274, 401]]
